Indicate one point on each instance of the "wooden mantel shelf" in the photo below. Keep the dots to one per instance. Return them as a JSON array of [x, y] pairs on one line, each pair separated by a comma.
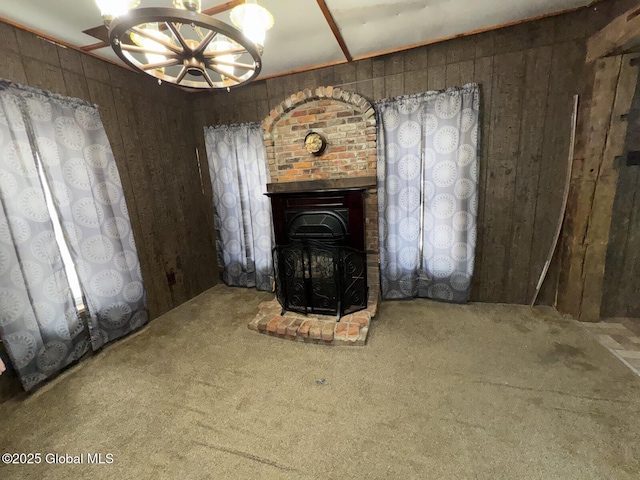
[[322, 185]]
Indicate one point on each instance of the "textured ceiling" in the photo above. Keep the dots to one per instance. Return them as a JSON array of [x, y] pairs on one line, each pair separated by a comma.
[[301, 37]]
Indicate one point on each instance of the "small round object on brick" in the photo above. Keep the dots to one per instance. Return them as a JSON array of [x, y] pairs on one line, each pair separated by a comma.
[[315, 143]]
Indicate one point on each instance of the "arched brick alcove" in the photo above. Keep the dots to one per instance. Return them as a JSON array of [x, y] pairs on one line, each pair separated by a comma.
[[346, 119], [349, 123]]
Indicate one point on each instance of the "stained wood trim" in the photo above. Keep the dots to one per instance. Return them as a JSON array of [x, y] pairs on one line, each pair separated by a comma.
[[303, 69], [321, 185], [94, 46], [416, 45], [634, 13], [334, 28]]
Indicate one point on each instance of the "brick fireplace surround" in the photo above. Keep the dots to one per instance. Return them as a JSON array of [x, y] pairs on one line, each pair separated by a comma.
[[348, 122]]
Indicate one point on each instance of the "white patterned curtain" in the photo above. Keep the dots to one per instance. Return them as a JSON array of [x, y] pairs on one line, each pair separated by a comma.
[[87, 191], [428, 195], [39, 322], [60, 143], [239, 176]]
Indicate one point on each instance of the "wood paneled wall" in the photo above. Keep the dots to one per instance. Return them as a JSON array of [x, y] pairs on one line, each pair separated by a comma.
[[528, 75], [152, 134]]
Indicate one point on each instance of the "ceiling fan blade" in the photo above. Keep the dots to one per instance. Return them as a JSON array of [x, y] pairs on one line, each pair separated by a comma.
[[100, 32]]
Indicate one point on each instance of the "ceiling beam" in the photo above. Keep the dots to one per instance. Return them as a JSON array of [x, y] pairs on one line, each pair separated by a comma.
[[621, 35], [334, 28]]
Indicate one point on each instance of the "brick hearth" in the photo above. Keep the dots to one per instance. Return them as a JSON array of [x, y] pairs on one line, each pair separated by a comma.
[[350, 330]]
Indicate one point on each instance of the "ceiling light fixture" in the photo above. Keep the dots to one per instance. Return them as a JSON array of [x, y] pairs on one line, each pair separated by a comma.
[[253, 20], [185, 47]]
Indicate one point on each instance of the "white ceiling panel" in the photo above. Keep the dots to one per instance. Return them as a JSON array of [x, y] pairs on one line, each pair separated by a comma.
[[372, 26], [300, 37]]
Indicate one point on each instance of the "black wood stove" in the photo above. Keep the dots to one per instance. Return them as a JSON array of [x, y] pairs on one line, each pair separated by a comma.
[[319, 258]]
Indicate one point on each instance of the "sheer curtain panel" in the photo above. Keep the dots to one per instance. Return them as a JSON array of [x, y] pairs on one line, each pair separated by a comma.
[[79, 165], [428, 193], [39, 323], [239, 176], [55, 157]]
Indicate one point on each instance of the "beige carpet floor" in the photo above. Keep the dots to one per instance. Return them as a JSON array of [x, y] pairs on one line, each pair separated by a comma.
[[441, 391]]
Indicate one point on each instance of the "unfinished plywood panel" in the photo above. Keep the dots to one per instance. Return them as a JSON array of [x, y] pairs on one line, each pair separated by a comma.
[[621, 291], [152, 136]]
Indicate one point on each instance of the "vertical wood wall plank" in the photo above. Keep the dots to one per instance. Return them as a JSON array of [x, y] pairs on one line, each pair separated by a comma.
[[506, 109], [532, 136], [483, 75]]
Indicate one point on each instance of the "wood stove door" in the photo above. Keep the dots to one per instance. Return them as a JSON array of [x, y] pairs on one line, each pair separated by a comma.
[[307, 277], [324, 281], [354, 280], [291, 275]]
